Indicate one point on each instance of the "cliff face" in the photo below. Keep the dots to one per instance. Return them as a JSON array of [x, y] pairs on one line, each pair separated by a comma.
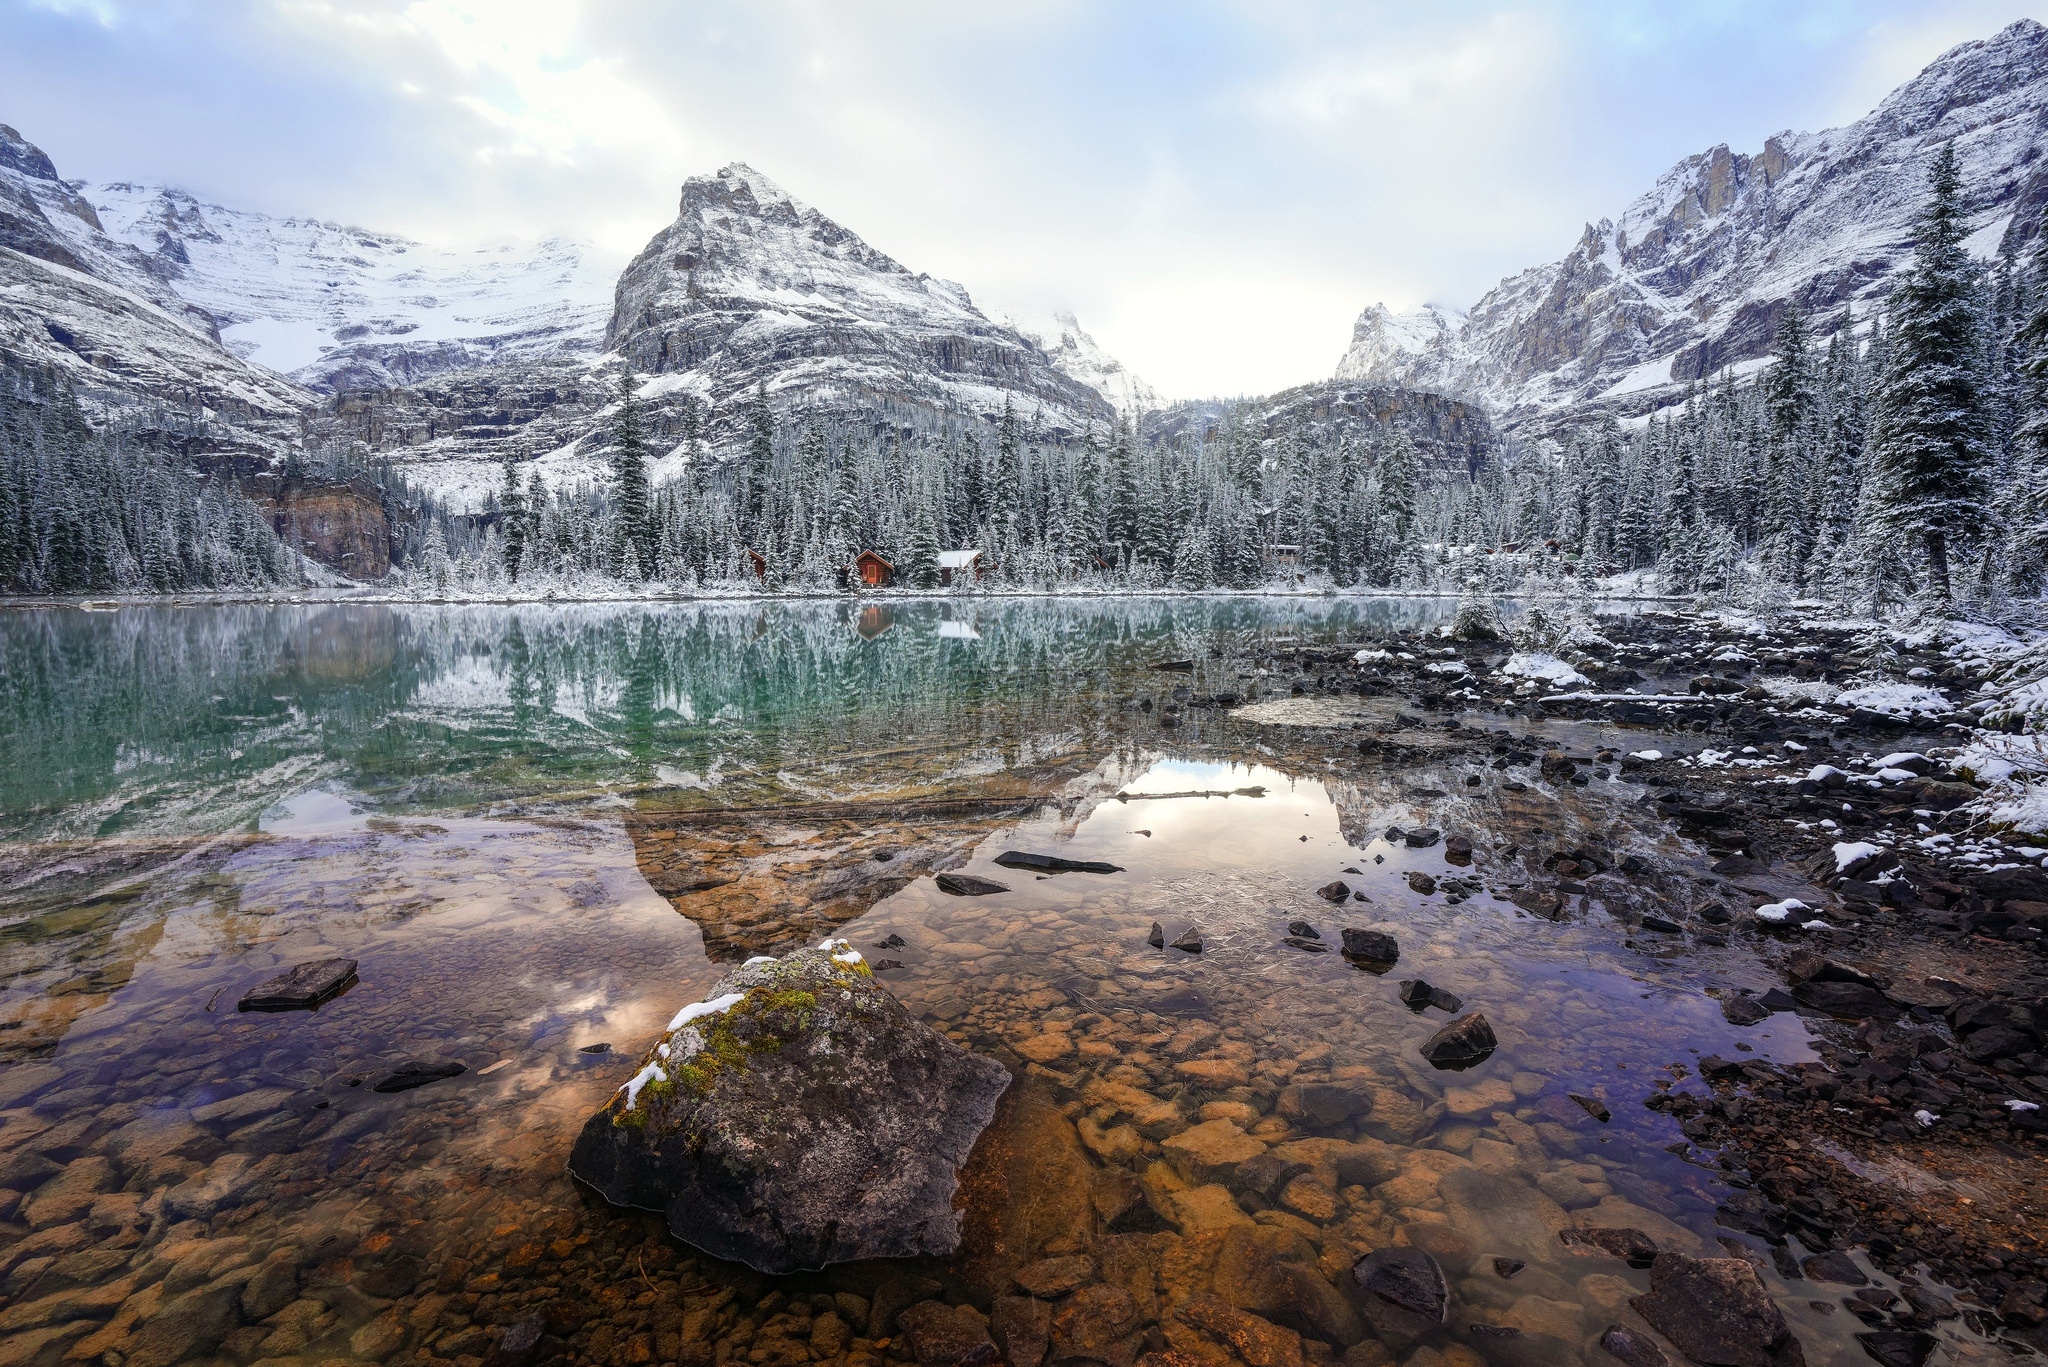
[[1695, 274], [1451, 437], [748, 286], [340, 525]]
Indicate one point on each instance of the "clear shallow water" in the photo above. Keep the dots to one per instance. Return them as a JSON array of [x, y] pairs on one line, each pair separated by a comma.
[[486, 806]]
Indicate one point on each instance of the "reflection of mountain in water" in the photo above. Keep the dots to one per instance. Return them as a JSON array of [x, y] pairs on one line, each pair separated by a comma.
[[192, 720]]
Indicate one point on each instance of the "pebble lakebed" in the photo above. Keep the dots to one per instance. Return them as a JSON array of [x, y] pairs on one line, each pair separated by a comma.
[[183, 1182]]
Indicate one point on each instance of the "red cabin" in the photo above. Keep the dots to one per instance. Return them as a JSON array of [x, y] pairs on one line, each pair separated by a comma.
[[874, 571]]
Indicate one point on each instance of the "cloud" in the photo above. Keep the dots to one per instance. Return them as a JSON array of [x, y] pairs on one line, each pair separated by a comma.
[[1215, 186]]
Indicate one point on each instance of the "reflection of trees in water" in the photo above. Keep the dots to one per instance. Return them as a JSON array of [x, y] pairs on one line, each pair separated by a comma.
[[196, 717]]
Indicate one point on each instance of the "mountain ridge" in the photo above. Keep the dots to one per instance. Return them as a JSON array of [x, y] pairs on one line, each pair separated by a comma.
[[1695, 273]]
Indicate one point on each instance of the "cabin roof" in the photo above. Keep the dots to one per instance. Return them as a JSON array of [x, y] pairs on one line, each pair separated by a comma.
[[958, 560]]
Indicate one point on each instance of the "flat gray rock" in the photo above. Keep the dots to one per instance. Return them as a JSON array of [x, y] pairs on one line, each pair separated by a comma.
[[302, 987], [799, 1116]]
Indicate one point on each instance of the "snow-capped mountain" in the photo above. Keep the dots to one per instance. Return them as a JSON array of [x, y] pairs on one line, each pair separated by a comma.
[[1694, 275], [76, 301], [1061, 336], [750, 286], [336, 307]]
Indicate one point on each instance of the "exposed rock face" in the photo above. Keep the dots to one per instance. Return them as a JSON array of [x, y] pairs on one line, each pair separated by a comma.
[[342, 526], [87, 307], [749, 286], [1451, 436], [798, 1117], [1694, 275]]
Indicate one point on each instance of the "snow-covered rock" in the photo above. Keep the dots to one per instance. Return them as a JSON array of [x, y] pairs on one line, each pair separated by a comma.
[[1079, 355], [1546, 669], [750, 286], [1694, 275], [337, 307]]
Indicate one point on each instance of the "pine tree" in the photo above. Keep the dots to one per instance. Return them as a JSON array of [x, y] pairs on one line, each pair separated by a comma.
[[630, 493], [1929, 463], [512, 504]]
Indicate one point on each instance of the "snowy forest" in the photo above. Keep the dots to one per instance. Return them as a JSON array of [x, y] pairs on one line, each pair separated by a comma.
[[1900, 460]]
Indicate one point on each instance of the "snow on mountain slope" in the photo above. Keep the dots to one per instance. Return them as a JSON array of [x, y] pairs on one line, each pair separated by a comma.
[[1080, 356], [750, 286], [76, 301], [1695, 274], [338, 307]]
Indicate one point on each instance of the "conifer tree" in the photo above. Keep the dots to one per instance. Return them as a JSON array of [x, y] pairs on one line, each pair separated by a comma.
[[1930, 458], [512, 502], [630, 492]]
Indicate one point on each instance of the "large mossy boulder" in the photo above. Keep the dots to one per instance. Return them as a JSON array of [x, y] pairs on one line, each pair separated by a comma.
[[798, 1116]]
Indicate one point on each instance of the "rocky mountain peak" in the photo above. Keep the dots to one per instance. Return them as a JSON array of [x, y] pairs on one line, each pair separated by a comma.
[[1694, 274], [749, 286], [23, 157]]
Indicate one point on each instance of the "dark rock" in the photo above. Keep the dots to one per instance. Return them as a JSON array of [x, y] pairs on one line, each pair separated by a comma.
[[1593, 1106], [1714, 913], [1419, 995], [942, 1335], [811, 1121], [1421, 837], [1632, 1348], [1651, 921], [1807, 966], [1458, 847], [1338, 891], [1302, 930], [418, 1073], [1099, 1323], [1466, 1041], [1375, 946], [1265, 1175], [1506, 1268], [1718, 1313], [1740, 1010], [1401, 1292], [1836, 1269], [967, 885], [884, 965], [1632, 1246], [302, 988], [1841, 999], [1305, 944], [891, 942], [519, 1345], [1157, 939], [1708, 684], [602, 1048], [1898, 1347], [1189, 940], [1778, 999], [2000, 1041], [1420, 882], [1052, 863]]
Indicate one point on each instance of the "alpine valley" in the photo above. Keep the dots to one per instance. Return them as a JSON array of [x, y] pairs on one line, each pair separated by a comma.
[[381, 401]]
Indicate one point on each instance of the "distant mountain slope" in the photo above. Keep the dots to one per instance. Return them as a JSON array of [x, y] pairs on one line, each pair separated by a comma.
[[1079, 355], [750, 286], [78, 302], [344, 308], [1694, 275]]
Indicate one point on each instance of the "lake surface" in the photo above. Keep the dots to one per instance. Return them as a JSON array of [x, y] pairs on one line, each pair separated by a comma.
[[540, 830]]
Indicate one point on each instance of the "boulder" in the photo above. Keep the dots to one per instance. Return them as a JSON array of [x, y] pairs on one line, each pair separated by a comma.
[[1400, 1292], [942, 1335], [1373, 946], [800, 1116], [1466, 1041], [1739, 1010], [1337, 891], [1718, 1313]]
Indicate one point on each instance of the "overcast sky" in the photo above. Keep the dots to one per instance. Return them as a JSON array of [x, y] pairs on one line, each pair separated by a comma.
[[1215, 186]]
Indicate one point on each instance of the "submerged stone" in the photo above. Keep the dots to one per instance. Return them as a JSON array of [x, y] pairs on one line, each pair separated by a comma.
[[1374, 946], [1052, 863], [418, 1073], [800, 1116], [1461, 1044], [1718, 1312], [1401, 1292], [967, 885], [302, 987]]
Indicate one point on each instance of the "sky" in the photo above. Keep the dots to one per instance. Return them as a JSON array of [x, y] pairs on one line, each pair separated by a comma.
[[1215, 187]]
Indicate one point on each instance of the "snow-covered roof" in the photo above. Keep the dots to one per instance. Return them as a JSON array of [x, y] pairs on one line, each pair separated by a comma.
[[957, 560]]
